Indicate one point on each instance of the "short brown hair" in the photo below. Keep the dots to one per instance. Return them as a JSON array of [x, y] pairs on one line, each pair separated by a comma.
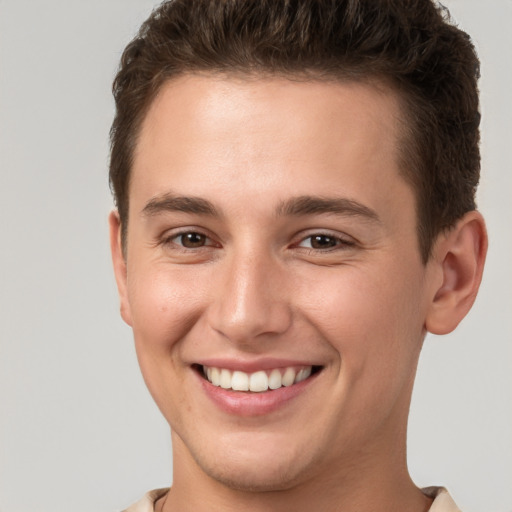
[[410, 44]]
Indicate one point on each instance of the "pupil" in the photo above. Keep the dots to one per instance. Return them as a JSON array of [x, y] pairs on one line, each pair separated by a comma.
[[193, 240], [322, 241]]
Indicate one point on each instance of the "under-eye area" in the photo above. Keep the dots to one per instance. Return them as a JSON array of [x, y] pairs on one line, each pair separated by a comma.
[[259, 381]]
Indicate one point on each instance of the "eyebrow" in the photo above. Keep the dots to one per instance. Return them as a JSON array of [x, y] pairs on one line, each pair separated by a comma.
[[172, 203], [294, 207], [310, 205]]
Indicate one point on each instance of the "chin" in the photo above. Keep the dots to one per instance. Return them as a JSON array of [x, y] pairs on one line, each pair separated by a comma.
[[254, 479], [257, 468]]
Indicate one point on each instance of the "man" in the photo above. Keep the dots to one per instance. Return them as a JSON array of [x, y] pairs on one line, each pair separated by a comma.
[[294, 184]]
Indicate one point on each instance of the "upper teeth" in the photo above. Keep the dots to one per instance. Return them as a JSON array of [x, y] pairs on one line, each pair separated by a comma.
[[257, 381]]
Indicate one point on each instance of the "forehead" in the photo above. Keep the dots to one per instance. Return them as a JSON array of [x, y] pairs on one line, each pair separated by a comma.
[[220, 131]]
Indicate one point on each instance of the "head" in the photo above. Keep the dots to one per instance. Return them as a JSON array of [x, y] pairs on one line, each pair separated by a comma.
[[411, 47], [295, 184]]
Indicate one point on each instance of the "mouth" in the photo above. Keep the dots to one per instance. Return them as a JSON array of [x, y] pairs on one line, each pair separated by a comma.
[[260, 381]]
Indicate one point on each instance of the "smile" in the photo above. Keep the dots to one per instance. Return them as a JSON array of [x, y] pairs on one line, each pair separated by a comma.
[[250, 389], [259, 381]]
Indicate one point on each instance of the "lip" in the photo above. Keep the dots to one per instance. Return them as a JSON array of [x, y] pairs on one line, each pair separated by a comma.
[[249, 404], [254, 365]]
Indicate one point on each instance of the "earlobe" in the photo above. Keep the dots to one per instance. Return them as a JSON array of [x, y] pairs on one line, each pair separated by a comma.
[[119, 263], [459, 255]]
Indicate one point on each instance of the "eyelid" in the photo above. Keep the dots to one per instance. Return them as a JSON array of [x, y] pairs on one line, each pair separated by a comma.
[[343, 240], [168, 238]]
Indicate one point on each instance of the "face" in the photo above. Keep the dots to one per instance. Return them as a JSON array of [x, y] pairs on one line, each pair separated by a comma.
[[273, 278]]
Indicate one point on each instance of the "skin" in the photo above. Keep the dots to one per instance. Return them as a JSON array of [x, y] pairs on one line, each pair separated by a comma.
[[358, 304]]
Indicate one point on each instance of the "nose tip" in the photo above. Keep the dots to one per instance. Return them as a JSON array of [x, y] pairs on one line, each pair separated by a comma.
[[250, 302]]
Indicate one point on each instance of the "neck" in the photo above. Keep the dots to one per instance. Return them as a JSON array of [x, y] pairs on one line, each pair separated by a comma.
[[343, 487]]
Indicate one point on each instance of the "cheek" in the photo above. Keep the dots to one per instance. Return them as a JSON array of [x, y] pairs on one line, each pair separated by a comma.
[[371, 318], [164, 305]]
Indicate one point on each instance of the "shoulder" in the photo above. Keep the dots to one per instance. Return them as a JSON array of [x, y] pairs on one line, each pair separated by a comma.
[[147, 503], [443, 502]]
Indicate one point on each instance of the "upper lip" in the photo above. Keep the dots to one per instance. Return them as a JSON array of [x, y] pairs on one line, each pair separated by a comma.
[[253, 365]]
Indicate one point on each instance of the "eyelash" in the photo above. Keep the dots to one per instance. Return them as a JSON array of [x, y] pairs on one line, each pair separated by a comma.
[[170, 240], [340, 242]]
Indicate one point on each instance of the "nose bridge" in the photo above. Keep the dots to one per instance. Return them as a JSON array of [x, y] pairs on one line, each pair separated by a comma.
[[250, 299]]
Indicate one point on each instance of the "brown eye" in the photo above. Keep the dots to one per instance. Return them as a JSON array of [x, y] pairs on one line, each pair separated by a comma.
[[323, 241], [192, 240]]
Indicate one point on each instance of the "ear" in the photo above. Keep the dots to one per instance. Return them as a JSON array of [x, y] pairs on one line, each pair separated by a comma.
[[119, 262], [459, 257]]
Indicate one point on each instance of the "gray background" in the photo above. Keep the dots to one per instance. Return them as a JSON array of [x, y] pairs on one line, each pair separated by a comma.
[[78, 430]]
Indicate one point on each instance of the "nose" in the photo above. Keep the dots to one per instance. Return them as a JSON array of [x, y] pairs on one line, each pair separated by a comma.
[[250, 299]]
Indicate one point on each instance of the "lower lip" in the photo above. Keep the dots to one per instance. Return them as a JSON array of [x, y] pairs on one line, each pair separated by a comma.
[[242, 403]]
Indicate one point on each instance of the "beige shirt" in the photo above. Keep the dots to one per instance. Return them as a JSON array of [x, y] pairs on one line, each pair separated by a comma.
[[442, 500]]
